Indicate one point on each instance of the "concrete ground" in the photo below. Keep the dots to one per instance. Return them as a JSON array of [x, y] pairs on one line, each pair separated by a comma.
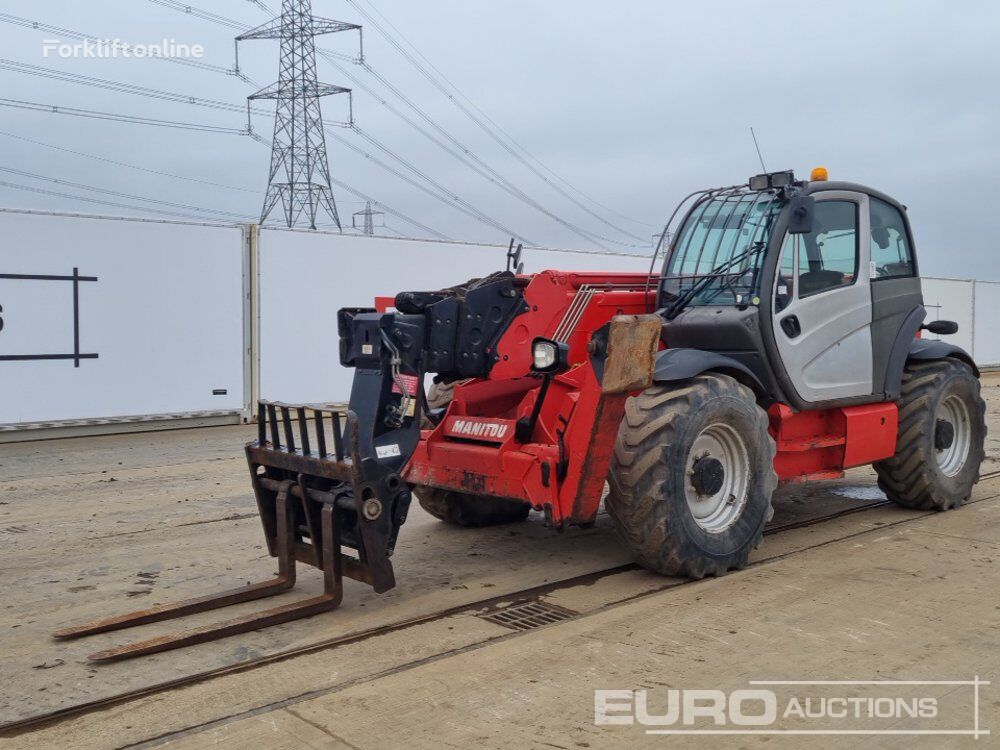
[[843, 588]]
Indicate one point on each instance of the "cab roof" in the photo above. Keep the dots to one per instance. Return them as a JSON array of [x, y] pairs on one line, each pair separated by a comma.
[[811, 188]]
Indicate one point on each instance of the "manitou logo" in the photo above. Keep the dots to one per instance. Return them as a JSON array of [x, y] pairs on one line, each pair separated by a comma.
[[469, 428]]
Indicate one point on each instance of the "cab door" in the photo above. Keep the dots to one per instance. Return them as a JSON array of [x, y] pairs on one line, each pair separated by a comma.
[[823, 302]]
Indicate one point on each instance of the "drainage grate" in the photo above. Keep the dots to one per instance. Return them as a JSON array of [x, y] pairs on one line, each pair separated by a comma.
[[528, 615]]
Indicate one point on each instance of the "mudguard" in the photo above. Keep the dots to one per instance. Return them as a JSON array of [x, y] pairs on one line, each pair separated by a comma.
[[681, 364], [928, 349]]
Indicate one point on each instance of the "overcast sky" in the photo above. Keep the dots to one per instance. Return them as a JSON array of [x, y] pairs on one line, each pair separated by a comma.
[[635, 104]]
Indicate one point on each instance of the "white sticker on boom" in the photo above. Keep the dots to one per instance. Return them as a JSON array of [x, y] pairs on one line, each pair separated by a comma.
[[367, 348], [387, 451]]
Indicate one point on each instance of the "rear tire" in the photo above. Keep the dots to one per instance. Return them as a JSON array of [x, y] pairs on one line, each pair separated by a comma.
[[463, 509], [460, 508], [940, 444], [674, 508]]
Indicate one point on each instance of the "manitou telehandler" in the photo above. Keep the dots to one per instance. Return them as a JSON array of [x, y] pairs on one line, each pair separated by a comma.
[[780, 342]]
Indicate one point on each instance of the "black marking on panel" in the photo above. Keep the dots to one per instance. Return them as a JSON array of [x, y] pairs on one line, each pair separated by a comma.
[[77, 355]]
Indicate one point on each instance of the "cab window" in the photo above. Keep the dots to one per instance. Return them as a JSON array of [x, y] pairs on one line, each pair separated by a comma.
[[891, 254], [828, 256]]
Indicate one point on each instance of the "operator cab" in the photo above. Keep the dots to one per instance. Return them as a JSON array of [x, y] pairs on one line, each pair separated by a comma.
[[811, 286]]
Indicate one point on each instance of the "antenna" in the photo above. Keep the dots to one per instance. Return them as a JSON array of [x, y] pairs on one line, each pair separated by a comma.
[[756, 146]]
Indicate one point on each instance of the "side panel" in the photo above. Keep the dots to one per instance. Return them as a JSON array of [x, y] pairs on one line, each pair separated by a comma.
[[728, 331], [158, 321], [871, 433], [986, 342], [893, 301], [900, 351]]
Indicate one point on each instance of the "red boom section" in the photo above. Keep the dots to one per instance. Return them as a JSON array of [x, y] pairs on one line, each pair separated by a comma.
[[562, 469]]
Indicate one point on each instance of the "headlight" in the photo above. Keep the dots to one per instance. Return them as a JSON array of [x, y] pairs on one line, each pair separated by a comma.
[[548, 356], [544, 355]]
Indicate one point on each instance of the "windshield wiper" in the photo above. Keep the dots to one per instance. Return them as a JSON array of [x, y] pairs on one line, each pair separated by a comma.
[[677, 306]]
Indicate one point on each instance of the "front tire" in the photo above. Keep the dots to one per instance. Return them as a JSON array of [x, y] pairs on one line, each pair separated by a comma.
[[940, 443], [692, 476]]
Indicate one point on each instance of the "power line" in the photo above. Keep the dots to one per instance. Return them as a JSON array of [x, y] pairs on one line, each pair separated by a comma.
[[473, 161], [469, 159], [98, 115], [480, 166], [126, 164], [497, 126], [364, 198], [443, 193], [201, 14], [215, 18], [480, 121], [117, 194], [388, 209], [134, 89], [496, 177], [116, 86], [119, 87], [436, 190], [145, 121], [56, 194]]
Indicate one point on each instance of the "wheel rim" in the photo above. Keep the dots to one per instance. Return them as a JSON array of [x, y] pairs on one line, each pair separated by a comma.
[[715, 505], [951, 457]]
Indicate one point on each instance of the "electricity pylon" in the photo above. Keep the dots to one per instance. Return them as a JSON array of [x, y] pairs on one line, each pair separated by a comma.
[[300, 172], [367, 217]]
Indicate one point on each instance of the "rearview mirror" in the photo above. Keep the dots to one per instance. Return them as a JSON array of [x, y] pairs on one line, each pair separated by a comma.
[[801, 209], [941, 327]]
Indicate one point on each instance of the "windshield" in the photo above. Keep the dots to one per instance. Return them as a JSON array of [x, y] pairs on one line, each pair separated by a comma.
[[724, 236]]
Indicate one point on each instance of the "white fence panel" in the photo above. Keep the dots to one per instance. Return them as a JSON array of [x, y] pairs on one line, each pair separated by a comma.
[[987, 336], [158, 325], [305, 277], [951, 299], [161, 330]]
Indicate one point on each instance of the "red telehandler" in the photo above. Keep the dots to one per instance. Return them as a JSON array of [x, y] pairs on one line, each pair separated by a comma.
[[779, 342]]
